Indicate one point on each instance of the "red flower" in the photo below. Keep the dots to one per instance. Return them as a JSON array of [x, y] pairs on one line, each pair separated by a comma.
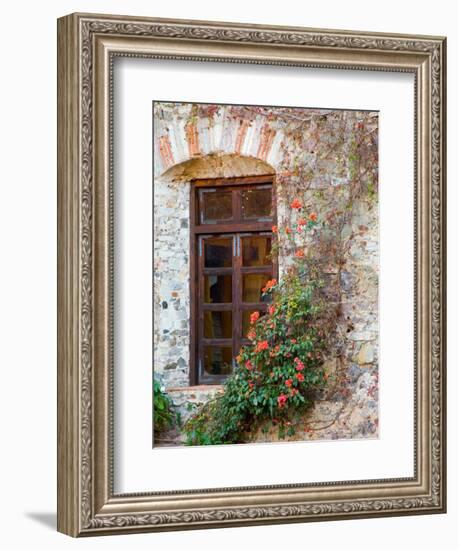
[[254, 317], [299, 253], [294, 391], [271, 310], [296, 204], [301, 222], [300, 376], [293, 341], [299, 364], [270, 284], [274, 229], [289, 382], [249, 365], [260, 346], [281, 400], [250, 385], [313, 217]]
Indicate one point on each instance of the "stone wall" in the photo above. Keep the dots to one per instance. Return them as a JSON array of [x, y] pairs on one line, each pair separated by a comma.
[[171, 281], [328, 158]]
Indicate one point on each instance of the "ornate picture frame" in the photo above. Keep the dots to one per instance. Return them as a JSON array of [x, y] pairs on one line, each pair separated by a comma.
[[87, 46]]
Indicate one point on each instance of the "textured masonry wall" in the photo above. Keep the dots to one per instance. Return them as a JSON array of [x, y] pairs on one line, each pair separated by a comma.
[[171, 281], [329, 159]]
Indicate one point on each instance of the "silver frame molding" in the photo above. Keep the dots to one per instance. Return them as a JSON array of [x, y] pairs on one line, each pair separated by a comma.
[[87, 45]]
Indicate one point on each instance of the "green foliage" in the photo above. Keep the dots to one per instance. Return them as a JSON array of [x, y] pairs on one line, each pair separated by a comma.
[[276, 372], [164, 414]]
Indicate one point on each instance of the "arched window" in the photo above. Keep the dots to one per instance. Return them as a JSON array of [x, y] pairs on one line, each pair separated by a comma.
[[231, 240]]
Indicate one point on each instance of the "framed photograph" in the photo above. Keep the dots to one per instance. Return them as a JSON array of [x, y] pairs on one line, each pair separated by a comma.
[[251, 290]]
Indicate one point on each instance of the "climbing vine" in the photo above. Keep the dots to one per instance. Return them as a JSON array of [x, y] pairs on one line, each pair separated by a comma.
[[281, 365]]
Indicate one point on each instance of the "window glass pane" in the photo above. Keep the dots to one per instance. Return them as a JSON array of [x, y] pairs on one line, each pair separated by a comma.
[[257, 203], [256, 250], [246, 320], [218, 252], [217, 324], [217, 359], [216, 206], [252, 285], [217, 289]]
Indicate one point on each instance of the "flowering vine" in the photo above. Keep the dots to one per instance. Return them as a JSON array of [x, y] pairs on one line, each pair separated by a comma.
[[281, 366]]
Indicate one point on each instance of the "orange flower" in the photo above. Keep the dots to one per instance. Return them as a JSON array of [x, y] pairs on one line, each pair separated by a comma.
[[260, 346], [301, 222], [274, 229], [270, 284], [299, 253], [296, 204], [287, 230], [313, 217], [254, 317], [251, 334], [300, 376], [289, 382]]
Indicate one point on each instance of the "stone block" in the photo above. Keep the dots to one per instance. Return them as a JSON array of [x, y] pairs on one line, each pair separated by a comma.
[[366, 353]]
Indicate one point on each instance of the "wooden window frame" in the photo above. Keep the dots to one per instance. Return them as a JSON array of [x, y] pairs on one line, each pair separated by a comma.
[[234, 228]]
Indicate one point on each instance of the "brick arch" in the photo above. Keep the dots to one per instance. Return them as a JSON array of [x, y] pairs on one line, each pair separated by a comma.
[[180, 137]]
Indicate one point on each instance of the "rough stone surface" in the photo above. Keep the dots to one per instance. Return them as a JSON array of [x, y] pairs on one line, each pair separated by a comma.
[[312, 154]]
